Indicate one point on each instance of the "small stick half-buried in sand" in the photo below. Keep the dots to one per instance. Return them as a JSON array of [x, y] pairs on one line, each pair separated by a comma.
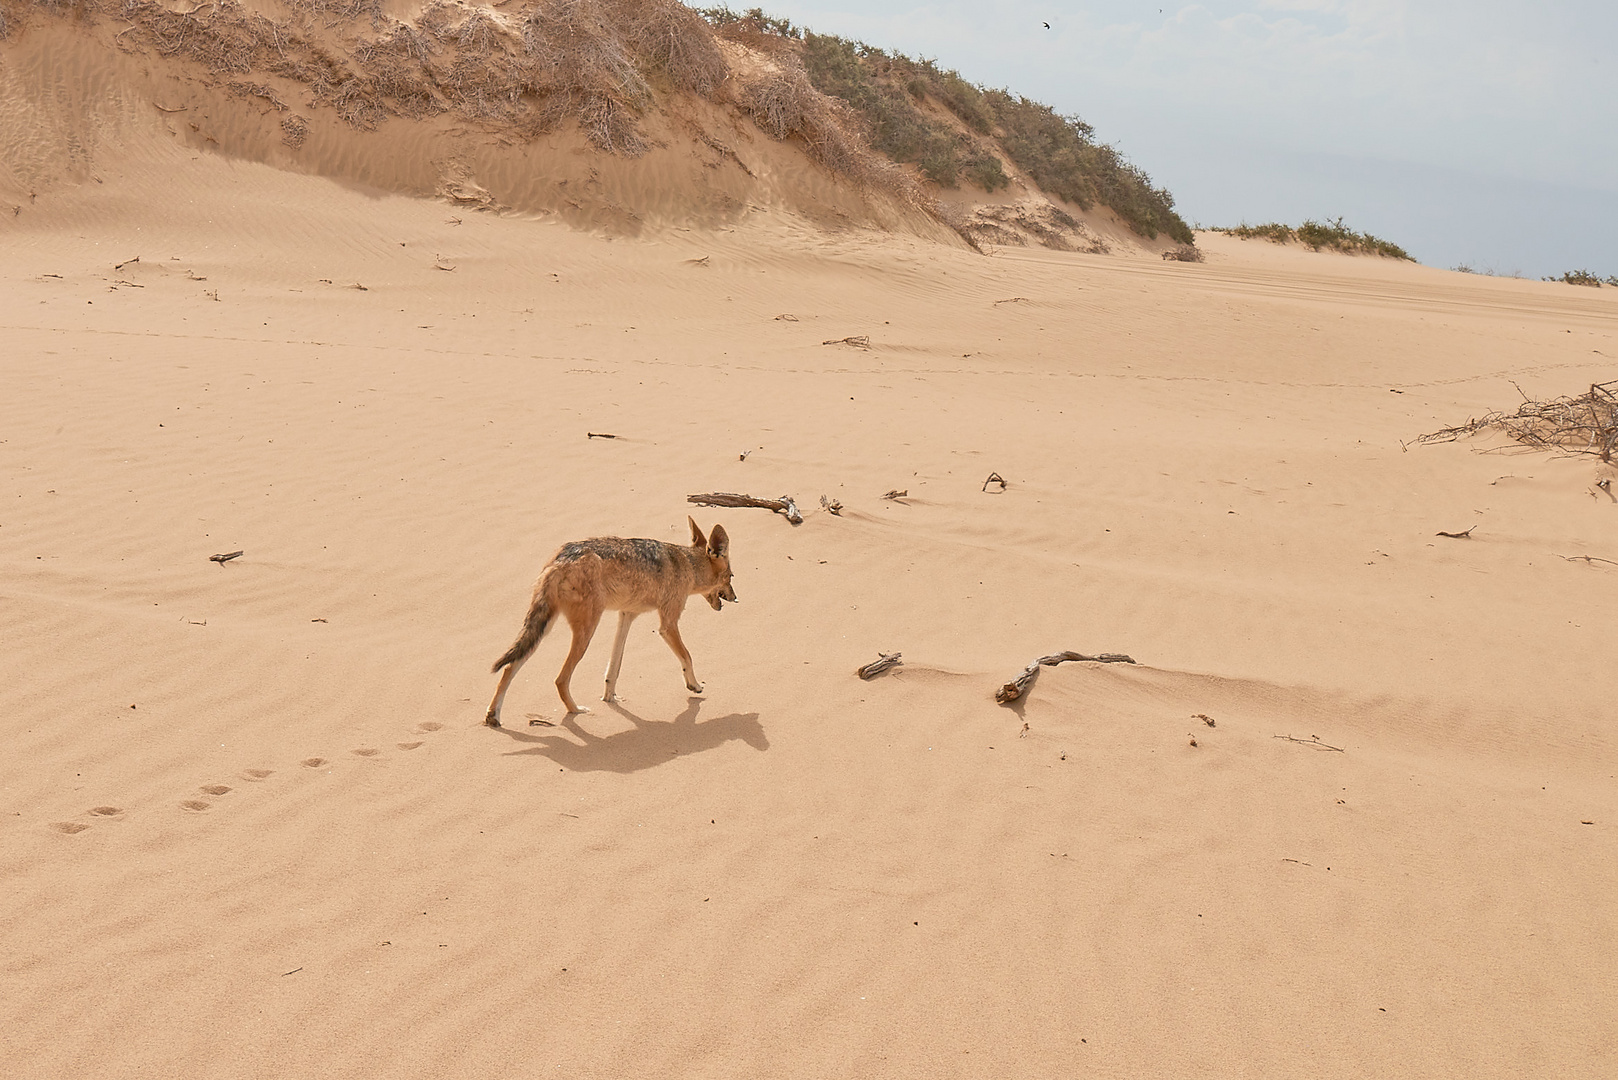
[[876, 667]]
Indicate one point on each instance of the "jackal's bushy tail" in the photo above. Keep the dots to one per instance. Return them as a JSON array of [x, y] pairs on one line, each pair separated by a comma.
[[533, 628]]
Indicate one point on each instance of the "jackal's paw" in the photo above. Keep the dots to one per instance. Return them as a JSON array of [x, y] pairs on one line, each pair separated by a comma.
[[493, 719], [695, 688], [609, 696]]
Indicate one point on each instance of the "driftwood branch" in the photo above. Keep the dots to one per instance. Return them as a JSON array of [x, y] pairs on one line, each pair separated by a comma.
[[877, 667], [783, 505], [1017, 687]]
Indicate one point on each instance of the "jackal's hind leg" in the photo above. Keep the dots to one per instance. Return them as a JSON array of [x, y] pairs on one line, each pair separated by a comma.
[[493, 717], [625, 618], [583, 630]]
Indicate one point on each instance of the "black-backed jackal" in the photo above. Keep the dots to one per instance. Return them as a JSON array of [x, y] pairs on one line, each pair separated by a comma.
[[589, 577]]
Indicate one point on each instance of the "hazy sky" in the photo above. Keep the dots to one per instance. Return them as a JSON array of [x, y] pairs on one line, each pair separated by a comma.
[[1476, 131]]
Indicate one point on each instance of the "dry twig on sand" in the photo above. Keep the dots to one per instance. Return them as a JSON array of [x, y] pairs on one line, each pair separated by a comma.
[[878, 666], [223, 559], [831, 506], [1312, 741], [783, 505], [995, 478], [1587, 424], [127, 262], [1590, 560], [859, 342], [1464, 534], [1017, 687], [896, 494], [598, 435]]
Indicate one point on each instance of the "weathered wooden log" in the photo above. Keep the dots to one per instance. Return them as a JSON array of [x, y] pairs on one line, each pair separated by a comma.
[[1017, 687], [783, 505]]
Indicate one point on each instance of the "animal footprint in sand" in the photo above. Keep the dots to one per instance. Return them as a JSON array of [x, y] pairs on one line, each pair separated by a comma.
[[69, 827], [408, 745], [256, 775], [105, 811], [367, 751], [429, 725], [196, 806], [214, 789], [313, 762]]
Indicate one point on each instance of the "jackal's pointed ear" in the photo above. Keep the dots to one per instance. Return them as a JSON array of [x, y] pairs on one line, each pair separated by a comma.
[[719, 543], [697, 539]]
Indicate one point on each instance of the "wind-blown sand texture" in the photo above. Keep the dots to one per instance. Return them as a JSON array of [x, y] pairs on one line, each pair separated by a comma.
[[251, 823]]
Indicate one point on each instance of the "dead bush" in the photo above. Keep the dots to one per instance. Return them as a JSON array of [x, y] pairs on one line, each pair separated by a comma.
[[672, 38], [294, 130], [1587, 424]]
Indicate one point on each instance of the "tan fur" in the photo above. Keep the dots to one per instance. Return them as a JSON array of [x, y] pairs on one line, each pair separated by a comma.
[[587, 578]]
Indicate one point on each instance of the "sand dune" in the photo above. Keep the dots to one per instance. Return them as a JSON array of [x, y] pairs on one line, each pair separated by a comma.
[[251, 823]]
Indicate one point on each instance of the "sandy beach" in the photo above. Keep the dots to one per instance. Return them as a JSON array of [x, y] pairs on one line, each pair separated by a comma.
[[1352, 811]]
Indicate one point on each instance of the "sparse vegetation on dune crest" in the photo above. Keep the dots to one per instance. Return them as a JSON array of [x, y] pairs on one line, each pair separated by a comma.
[[1584, 277], [1316, 235], [607, 65], [907, 106]]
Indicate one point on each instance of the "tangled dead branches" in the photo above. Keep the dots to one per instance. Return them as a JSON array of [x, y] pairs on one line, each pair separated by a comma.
[[1587, 424]]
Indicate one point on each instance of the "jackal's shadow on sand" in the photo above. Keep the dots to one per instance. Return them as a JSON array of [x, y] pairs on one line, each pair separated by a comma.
[[648, 743]]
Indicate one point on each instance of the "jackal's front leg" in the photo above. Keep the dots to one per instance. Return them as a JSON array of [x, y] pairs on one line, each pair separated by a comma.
[[670, 631], [625, 618]]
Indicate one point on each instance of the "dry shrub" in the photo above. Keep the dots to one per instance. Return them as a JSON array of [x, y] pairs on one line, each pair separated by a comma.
[[258, 90], [783, 103], [397, 64], [1184, 253], [1587, 424], [294, 130], [672, 38], [580, 64], [226, 39], [335, 13]]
